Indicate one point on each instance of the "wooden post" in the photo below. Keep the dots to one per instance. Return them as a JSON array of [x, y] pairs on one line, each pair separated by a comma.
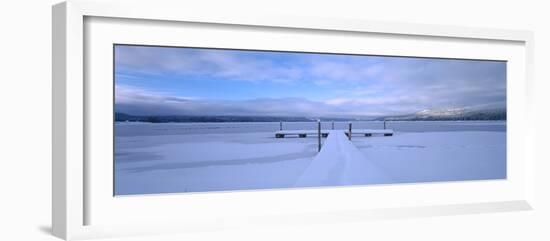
[[280, 125], [384, 124], [333, 125], [319, 136], [349, 131]]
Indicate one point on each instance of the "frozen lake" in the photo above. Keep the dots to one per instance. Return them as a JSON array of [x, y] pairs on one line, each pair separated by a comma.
[[196, 157], [146, 129]]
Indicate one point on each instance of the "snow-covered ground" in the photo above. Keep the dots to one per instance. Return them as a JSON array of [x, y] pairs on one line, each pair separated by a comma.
[[169, 158], [437, 156], [209, 162]]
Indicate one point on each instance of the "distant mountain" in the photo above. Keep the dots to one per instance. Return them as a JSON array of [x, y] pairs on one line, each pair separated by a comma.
[[450, 114], [126, 117], [122, 117]]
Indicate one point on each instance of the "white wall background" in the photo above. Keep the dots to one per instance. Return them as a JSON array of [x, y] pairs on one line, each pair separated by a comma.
[[25, 125]]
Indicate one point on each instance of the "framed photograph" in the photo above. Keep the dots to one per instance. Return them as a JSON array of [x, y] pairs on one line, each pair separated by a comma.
[[178, 121]]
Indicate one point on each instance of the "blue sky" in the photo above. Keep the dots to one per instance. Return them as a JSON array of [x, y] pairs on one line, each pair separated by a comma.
[[192, 81]]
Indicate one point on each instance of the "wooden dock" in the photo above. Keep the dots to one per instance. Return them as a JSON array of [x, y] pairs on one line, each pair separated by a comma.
[[340, 162], [324, 133]]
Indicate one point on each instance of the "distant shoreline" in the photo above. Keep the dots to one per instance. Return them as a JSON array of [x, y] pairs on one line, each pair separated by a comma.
[[323, 121], [121, 117]]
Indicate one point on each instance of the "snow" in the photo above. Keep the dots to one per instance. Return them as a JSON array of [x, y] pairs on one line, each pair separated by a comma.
[[172, 158], [340, 163], [371, 131], [438, 156], [209, 162]]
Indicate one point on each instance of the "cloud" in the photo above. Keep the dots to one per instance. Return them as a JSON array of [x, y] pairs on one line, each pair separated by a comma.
[[136, 101], [317, 84], [131, 100], [254, 66], [345, 71], [129, 94], [225, 64]]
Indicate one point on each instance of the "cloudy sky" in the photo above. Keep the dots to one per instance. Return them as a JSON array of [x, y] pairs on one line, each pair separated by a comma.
[[192, 81]]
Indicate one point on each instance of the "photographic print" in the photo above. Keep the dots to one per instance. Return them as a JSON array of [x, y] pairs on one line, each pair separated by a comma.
[[192, 119]]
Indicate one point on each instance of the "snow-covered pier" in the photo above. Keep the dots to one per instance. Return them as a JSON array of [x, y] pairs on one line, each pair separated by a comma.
[[324, 133], [340, 163]]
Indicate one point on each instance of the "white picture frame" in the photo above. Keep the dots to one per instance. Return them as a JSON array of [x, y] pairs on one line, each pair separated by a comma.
[[74, 200]]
